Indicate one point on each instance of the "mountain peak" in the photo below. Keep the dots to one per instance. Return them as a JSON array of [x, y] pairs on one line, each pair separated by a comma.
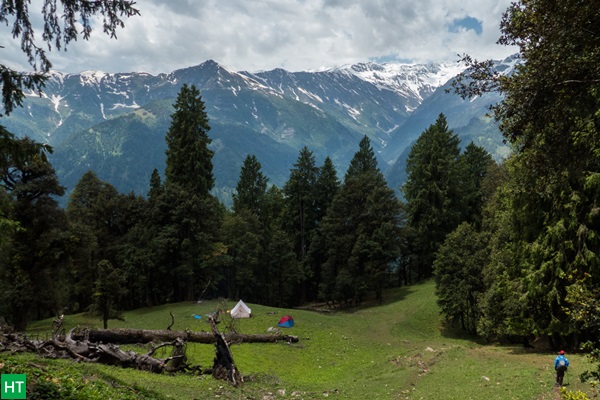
[[210, 64]]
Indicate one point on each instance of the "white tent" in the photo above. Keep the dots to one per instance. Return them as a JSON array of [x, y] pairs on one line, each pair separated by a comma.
[[240, 310]]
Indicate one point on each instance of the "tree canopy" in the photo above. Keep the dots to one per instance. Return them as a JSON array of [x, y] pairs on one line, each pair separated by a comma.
[[64, 22], [545, 226]]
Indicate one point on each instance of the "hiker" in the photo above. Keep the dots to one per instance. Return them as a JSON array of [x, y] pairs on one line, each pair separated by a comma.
[[560, 365]]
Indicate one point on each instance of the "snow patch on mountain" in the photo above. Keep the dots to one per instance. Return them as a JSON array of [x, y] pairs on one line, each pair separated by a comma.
[[92, 77], [311, 95], [408, 80], [121, 105]]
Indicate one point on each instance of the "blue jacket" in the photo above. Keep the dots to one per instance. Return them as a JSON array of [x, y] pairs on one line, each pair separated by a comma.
[[558, 358]]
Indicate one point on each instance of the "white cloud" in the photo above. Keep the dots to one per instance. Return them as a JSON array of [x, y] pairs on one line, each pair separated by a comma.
[[291, 34]]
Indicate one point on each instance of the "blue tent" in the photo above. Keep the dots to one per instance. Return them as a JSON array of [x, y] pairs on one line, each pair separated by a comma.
[[286, 322]]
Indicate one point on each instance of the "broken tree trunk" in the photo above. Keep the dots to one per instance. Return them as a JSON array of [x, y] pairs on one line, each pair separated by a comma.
[[223, 366], [132, 336]]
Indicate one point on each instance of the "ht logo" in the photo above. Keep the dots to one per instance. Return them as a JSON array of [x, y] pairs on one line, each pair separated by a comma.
[[13, 386]]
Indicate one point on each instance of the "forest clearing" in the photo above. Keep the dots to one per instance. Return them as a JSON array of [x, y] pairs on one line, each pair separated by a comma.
[[396, 350]]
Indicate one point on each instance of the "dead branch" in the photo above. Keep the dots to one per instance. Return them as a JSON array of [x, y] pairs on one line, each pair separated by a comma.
[[86, 351], [172, 321]]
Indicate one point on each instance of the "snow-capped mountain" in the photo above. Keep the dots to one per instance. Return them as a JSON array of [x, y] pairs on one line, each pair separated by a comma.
[[115, 123]]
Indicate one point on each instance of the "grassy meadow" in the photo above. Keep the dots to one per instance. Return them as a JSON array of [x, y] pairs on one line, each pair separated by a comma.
[[396, 350]]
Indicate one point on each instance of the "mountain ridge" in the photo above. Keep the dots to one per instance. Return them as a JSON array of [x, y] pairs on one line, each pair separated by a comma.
[[328, 111]]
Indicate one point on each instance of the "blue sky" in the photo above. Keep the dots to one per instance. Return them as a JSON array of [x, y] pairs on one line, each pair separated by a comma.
[[467, 23], [292, 34]]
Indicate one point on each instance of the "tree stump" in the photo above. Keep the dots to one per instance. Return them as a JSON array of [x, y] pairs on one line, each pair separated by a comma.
[[223, 366]]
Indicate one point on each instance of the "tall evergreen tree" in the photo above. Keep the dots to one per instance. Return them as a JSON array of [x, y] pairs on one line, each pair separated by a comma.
[[156, 186], [189, 160], [29, 177], [251, 187], [36, 250], [93, 214], [108, 289], [326, 187], [194, 215], [299, 192], [474, 163], [148, 253], [458, 270], [432, 191], [363, 161], [361, 232], [241, 234], [282, 272]]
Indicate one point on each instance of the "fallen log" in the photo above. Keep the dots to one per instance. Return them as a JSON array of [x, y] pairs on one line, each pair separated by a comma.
[[133, 336], [86, 351]]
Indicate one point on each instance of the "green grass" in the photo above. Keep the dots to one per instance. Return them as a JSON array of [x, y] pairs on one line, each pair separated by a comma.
[[396, 350]]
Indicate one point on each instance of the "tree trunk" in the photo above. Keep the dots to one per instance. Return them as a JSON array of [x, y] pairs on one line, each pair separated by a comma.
[[131, 336], [224, 367]]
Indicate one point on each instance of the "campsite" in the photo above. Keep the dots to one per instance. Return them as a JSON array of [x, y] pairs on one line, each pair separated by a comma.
[[397, 350]]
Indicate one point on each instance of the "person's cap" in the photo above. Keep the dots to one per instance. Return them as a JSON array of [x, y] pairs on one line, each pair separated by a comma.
[[562, 352]]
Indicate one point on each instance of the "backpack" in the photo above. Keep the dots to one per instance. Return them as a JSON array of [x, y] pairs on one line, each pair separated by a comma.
[[562, 365]]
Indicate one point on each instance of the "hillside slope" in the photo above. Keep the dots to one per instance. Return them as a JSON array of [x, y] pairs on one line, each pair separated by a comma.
[[391, 351]]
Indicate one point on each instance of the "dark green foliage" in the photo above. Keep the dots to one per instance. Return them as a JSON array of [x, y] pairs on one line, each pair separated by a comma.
[[300, 201], [363, 161], [189, 231], [326, 187], [473, 167], [98, 224], [458, 275], [189, 216], [433, 196], [545, 225], [360, 233], [108, 290], [15, 172], [251, 187], [260, 264], [34, 252], [189, 160], [242, 235]]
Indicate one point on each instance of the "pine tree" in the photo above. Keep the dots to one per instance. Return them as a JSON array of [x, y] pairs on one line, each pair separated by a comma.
[[241, 234], [326, 187], [35, 250], [458, 268], [361, 233], [193, 214], [189, 160], [299, 193], [109, 287], [251, 187], [100, 219], [473, 166], [156, 186], [433, 195], [363, 161]]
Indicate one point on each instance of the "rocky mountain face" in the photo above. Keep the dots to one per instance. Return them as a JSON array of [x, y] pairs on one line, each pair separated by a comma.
[[115, 124]]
